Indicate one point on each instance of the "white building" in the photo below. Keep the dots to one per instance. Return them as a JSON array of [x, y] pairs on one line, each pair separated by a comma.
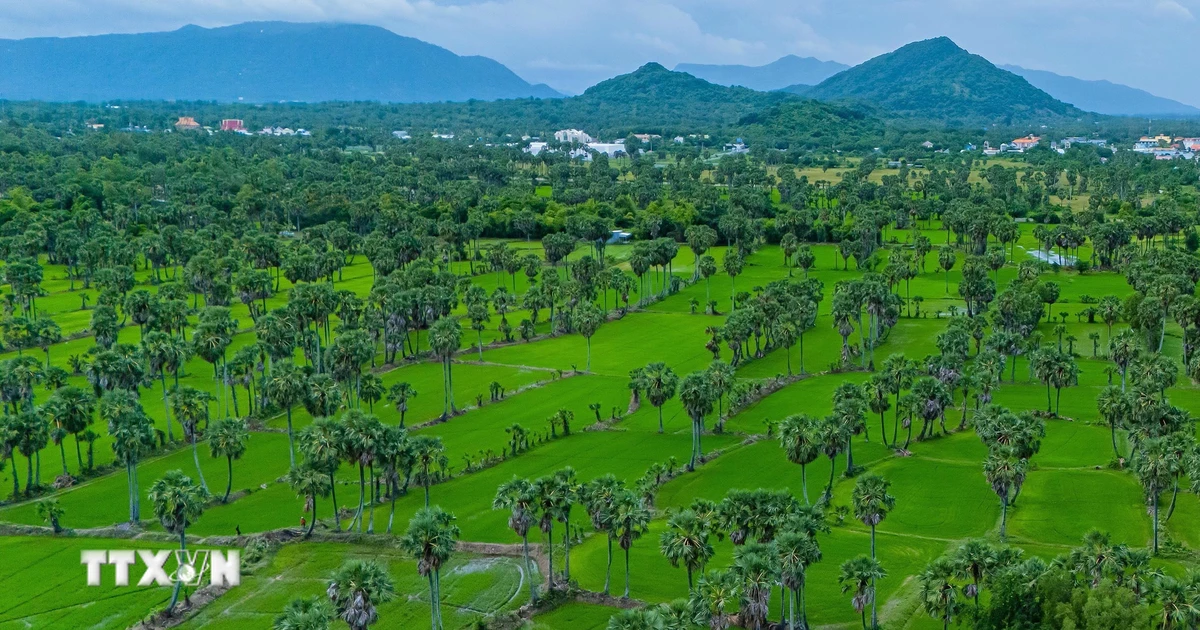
[[535, 148], [401, 134], [611, 149], [572, 136]]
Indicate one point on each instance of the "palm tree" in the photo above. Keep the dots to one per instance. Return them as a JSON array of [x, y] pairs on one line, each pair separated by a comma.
[[660, 383], [518, 497], [587, 320], [1115, 408], [565, 496], [686, 542], [178, 502], [285, 387], [974, 561], [370, 390], [797, 551], [939, 596], [598, 497], [445, 338], [356, 589], [630, 520], [431, 539], [71, 409], [309, 483], [756, 565], [305, 613], [1156, 465], [322, 442], [133, 436], [696, 394], [362, 435], [872, 502], [427, 453], [715, 594], [399, 395], [800, 437], [858, 575], [1123, 349], [191, 406], [228, 439], [1005, 473], [164, 353]]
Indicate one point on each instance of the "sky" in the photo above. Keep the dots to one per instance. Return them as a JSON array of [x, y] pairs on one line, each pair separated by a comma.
[[572, 44]]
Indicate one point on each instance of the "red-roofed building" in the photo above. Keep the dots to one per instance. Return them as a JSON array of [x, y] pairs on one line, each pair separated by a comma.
[[186, 123], [1024, 144], [232, 124]]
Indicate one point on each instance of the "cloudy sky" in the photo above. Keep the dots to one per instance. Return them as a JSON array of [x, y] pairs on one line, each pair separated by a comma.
[[571, 44]]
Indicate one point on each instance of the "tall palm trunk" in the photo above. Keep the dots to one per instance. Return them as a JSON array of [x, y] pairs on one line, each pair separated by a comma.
[[337, 519], [291, 440], [196, 459]]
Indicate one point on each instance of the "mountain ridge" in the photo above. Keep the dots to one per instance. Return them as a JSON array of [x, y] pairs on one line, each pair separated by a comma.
[[935, 79], [785, 71], [253, 62], [1102, 96]]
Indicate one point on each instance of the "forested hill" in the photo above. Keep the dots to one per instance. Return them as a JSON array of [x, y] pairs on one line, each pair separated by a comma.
[[781, 73], [938, 81], [253, 62]]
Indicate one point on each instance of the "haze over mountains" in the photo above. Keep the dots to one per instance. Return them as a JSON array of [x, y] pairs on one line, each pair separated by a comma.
[[254, 62], [933, 80], [783, 72], [1103, 97]]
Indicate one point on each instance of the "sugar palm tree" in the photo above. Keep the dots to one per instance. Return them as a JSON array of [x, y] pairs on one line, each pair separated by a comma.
[[686, 543], [858, 576], [164, 353], [1115, 409], [587, 320], [1156, 465], [70, 409], [938, 594], [518, 497], [871, 502], [797, 551], [431, 539], [309, 483], [757, 566], [599, 496], [132, 436], [228, 439], [357, 589], [1122, 350], [177, 502], [399, 395], [696, 394], [370, 390], [800, 437], [285, 387], [445, 338], [716, 593], [1005, 473], [566, 497], [306, 613], [191, 406], [974, 561], [427, 452], [321, 443], [660, 383], [631, 519], [362, 435]]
